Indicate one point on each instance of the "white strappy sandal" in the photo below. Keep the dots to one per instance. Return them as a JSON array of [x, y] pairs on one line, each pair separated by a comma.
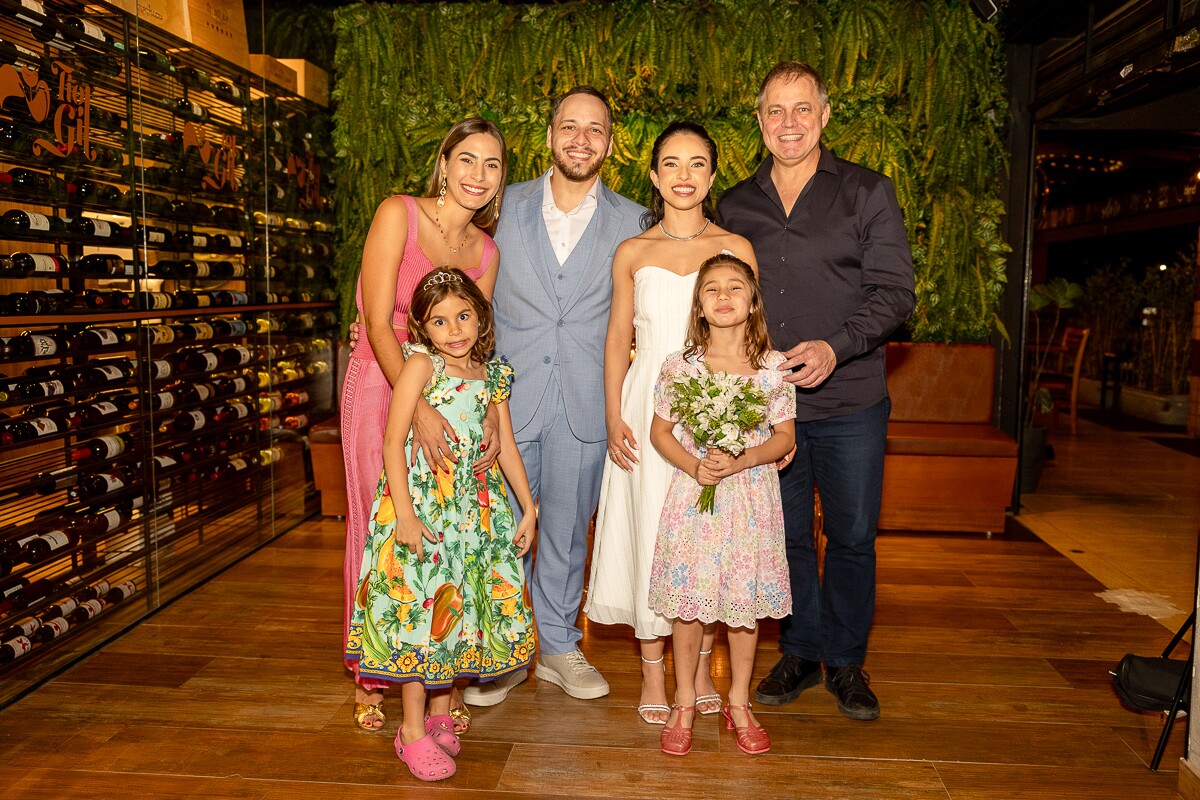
[[708, 698], [648, 707]]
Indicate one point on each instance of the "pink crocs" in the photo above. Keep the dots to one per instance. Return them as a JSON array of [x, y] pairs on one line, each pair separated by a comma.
[[441, 728], [424, 759]]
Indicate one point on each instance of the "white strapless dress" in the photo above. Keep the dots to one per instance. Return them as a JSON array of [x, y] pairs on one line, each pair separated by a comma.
[[631, 503]]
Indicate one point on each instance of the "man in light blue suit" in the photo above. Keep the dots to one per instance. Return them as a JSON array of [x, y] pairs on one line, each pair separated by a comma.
[[557, 236]]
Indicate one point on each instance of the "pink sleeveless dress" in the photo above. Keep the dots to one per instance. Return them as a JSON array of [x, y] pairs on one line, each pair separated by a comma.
[[365, 398]]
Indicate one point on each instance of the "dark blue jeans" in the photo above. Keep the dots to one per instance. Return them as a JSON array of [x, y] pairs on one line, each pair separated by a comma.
[[843, 456]]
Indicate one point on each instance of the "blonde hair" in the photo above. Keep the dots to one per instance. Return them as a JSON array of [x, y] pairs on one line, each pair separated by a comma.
[[758, 338], [436, 287]]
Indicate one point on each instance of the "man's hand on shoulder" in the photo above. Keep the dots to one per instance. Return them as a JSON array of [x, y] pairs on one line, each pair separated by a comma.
[[816, 361]]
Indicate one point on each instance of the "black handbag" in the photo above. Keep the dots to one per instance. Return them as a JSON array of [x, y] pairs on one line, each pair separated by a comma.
[[1149, 684]]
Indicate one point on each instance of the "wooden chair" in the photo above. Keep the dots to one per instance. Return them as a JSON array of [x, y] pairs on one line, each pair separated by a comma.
[[1063, 382]]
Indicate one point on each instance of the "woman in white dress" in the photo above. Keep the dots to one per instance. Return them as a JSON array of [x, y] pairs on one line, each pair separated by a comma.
[[653, 276]]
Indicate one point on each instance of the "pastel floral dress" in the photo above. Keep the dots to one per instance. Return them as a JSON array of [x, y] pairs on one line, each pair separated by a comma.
[[731, 565], [461, 610]]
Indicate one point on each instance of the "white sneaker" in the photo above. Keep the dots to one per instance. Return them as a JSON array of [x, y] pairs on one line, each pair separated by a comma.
[[573, 674], [493, 693]]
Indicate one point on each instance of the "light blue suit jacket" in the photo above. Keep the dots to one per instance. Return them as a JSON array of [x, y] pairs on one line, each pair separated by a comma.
[[534, 331]]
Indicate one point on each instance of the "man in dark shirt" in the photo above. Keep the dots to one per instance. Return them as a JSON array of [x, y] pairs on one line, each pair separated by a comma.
[[837, 280]]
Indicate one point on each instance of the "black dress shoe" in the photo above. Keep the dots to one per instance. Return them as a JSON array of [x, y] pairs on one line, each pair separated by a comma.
[[790, 676], [850, 685]]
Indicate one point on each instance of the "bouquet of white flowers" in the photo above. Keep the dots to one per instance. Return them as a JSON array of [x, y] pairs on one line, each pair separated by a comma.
[[718, 408]]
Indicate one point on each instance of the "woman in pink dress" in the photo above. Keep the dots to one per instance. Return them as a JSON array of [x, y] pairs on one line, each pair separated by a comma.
[[409, 237]]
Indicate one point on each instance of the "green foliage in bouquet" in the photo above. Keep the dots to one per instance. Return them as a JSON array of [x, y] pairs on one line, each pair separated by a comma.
[[917, 89]]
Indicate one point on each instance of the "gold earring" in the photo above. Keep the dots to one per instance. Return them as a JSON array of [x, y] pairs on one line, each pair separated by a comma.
[[442, 194]]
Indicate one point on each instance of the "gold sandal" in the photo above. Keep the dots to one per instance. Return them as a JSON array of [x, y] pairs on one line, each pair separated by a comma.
[[461, 716], [364, 710]]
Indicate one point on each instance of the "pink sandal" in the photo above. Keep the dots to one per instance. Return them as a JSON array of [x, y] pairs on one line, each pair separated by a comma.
[[441, 728], [424, 759], [752, 738]]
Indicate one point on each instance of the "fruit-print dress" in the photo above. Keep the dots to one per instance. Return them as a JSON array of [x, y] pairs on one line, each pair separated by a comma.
[[462, 610]]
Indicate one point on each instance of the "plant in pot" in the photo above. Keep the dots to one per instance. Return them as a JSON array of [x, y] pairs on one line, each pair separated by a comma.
[[1048, 299]]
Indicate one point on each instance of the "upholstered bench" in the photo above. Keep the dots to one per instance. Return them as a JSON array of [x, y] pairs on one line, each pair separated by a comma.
[[329, 470], [947, 467]]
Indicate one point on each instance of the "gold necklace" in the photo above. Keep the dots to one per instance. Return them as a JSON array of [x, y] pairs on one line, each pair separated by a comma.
[[446, 239]]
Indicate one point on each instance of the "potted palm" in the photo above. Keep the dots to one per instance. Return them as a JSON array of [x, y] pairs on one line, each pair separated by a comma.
[[1049, 299]]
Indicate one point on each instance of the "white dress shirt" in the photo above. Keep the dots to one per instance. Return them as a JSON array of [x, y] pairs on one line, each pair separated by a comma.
[[566, 227]]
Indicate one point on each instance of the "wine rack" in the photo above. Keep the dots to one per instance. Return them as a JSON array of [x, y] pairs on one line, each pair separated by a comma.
[[166, 322]]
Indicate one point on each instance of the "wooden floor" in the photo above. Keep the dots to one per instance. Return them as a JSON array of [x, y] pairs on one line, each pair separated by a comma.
[[990, 658], [1126, 509]]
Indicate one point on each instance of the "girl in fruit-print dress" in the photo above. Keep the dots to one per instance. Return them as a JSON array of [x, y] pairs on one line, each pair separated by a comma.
[[441, 591]]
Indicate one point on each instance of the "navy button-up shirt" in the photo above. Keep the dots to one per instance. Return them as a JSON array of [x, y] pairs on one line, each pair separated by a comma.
[[837, 268]]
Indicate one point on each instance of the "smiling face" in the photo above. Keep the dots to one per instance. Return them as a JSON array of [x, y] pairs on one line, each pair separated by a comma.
[[474, 171], [580, 137], [725, 297], [452, 327], [791, 119], [684, 172]]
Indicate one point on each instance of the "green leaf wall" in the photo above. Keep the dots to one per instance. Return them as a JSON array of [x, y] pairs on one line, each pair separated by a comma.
[[917, 90]]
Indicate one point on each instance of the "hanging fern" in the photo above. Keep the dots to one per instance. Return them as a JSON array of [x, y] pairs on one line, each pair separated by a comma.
[[917, 88]]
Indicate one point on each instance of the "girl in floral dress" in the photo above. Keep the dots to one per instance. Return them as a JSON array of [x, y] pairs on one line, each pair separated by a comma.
[[728, 565], [441, 590]]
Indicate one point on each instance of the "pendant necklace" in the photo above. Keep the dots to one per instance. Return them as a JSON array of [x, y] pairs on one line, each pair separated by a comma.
[[707, 222], [466, 233]]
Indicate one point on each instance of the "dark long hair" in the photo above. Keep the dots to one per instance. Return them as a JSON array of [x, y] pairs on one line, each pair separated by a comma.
[[758, 337], [655, 214], [485, 218], [436, 287]]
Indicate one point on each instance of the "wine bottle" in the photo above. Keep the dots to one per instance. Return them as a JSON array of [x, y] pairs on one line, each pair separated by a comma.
[[158, 301], [25, 626], [101, 194], [59, 608], [103, 372], [28, 223], [154, 236], [188, 241], [229, 327], [55, 480], [192, 420], [270, 455], [231, 412], [190, 299], [86, 610], [234, 355], [33, 344], [25, 430], [81, 29], [38, 263], [45, 301], [225, 387], [202, 360], [295, 422], [191, 211], [160, 368], [154, 61], [92, 339], [52, 628], [228, 217], [186, 109], [193, 78], [198, 392], [43, 546], [95, 228], [55, 387], [105, 264], [88, 526], [14, 648], [120, 592], [102, 448], [227, 91], [272, 401], [226, 298], [226, 242], [111, 300], [93, 591], [295, 398], [159, 334], [105, 407], [161, 400], [97, 484]]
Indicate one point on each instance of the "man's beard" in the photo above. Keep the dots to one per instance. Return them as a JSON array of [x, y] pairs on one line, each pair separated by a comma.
[[576, 172]]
